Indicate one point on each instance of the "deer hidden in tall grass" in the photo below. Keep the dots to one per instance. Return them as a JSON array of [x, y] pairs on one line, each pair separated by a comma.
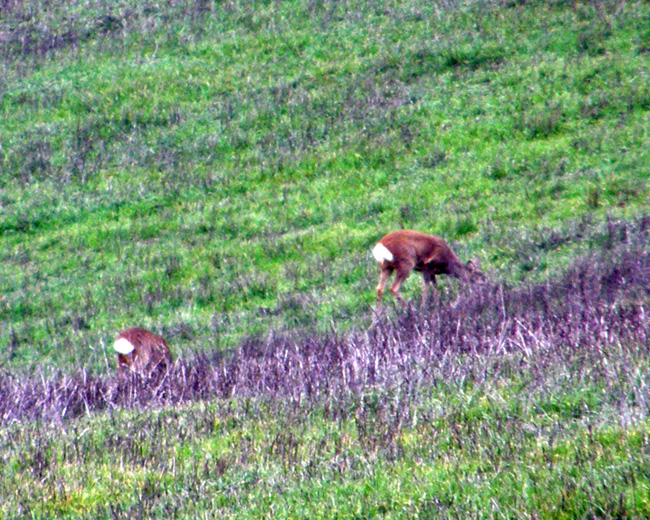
[[405, 250], [141, 352]]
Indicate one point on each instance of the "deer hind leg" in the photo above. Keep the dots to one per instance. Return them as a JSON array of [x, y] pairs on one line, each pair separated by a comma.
[[383, 279], [429, 279], [402, 274]]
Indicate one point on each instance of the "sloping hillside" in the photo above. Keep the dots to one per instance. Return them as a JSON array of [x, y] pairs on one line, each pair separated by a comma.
[[215, 170], [218, 171], [509, 402]]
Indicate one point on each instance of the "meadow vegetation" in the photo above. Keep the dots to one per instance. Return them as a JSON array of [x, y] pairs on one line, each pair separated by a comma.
[[216, 170], [219, 171], [528, 402]]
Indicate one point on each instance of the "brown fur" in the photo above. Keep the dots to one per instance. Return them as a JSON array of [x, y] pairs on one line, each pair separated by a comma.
[[415, 251], [151, 354]]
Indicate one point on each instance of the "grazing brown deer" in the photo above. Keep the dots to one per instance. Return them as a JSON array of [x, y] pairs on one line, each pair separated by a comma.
[[405, 251], [139, 351]]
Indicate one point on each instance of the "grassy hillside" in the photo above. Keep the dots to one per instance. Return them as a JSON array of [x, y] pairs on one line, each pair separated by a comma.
[[219, 171], [213, 170], [509, 403]]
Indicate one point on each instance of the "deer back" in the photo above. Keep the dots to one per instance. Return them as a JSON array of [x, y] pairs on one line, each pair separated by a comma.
[[418, 248], [149, 352]]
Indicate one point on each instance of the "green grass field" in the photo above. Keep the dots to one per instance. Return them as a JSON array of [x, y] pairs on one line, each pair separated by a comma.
[[213, 171], [217, 171]]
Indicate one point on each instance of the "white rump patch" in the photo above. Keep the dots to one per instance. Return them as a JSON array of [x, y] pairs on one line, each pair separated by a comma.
[[381, 253], [123, 346]]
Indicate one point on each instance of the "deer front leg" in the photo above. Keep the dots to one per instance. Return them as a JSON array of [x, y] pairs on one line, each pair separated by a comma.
[[429, 279]]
